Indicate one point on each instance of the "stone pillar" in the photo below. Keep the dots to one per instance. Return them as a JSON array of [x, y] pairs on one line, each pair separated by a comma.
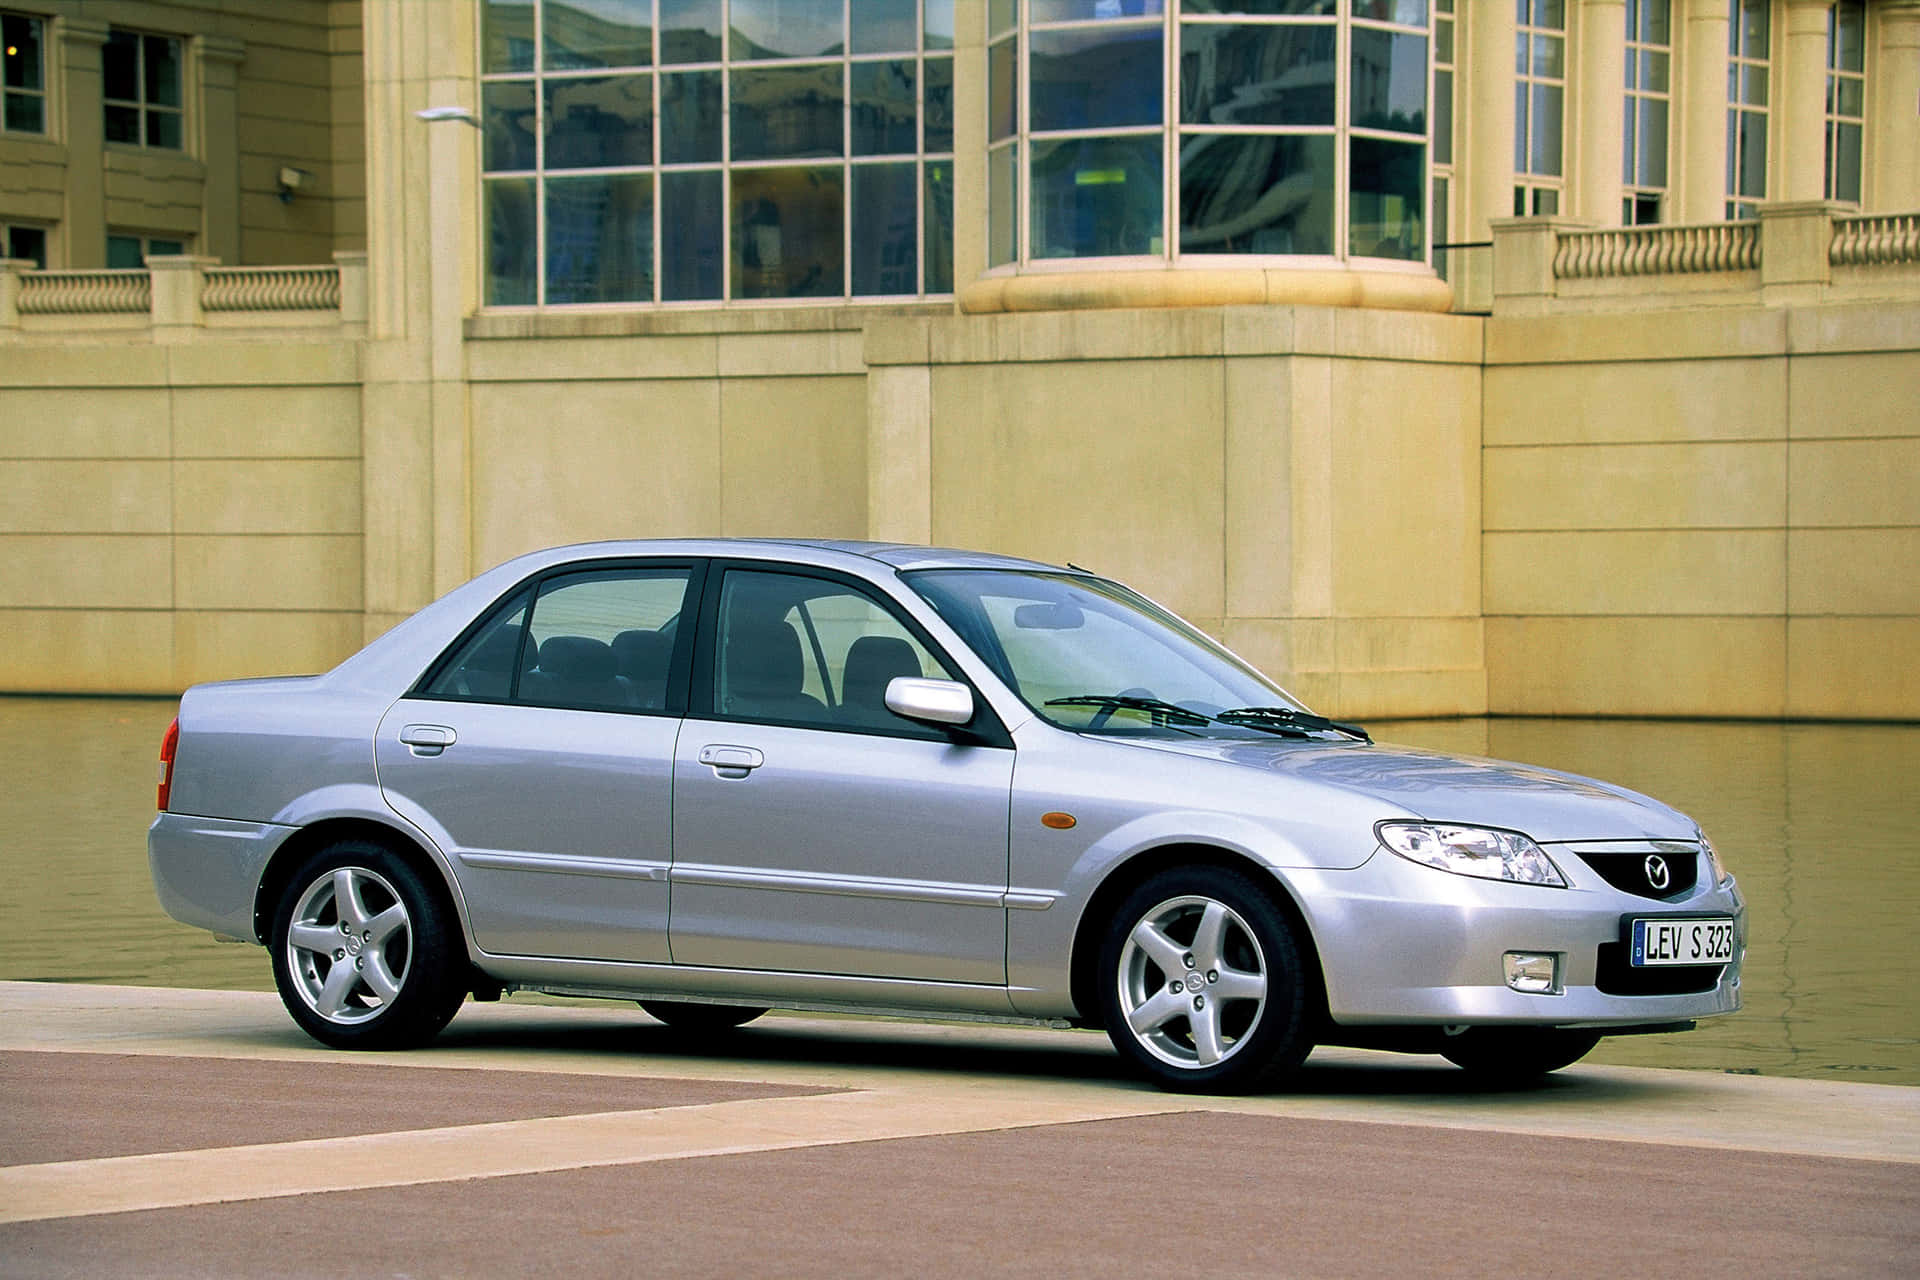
[[1800, 113], [1700, 179], [175, 305], [11, 269], [969, 142], [219, 145], [1487, 149], [1893, 109], [1523, 253], [352, 265], [1599, 84], [1795, 237], [78, 41]]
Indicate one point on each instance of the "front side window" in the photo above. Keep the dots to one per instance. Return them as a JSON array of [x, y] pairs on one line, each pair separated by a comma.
[[716, 150], [1539, 105], [23, 80], [141, 77], [1649, 54], [1846, 98], [1749, 50], [1290, 127], [129, 250]]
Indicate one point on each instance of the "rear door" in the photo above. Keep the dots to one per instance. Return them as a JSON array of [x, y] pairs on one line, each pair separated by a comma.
[[539, 755]]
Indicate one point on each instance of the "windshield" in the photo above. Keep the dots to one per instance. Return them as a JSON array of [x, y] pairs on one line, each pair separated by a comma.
[[1092, 656]]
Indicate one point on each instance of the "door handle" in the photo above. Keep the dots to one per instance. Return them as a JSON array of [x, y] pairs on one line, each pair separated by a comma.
[[731, 762], [427, 739]]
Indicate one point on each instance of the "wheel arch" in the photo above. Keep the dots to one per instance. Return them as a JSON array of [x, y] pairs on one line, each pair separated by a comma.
[[1135, 871], [302, 843]]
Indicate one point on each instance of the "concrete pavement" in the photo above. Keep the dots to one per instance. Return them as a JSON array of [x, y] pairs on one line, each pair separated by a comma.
[[155, 1131]]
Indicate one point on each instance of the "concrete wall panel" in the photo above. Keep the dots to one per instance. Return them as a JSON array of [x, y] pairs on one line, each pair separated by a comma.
[[1666, 486]]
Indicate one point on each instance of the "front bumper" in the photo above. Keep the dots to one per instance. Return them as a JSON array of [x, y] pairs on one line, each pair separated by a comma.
[[1405, 944], [206, 871]]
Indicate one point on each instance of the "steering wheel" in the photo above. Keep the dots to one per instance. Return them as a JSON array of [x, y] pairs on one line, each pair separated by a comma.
[[1105, 713]]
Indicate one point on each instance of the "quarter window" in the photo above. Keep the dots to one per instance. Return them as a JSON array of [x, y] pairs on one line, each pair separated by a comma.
[[141, 75], [23, 75], [709, 150]]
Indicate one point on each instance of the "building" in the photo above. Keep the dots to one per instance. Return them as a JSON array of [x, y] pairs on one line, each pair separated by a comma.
[[1442, 356]]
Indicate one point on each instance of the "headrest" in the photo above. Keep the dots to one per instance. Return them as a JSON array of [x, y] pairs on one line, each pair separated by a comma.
[[496, 652], [577, 658], [643, 655], [763, 659], [872, 662]]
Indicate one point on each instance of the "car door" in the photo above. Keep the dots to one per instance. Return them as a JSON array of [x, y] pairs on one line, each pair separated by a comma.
[[539, 755], [813, 830]]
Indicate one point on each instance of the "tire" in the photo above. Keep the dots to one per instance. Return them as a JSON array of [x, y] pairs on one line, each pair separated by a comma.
[[701, 1019], [1504, 1056], [1201, 983], [392, 987]]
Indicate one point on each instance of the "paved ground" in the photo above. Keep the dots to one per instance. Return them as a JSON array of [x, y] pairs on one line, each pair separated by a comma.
[[159, 1132]]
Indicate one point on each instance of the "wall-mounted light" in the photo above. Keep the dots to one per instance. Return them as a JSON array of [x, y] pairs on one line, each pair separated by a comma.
[[292, 180], [432, 114]]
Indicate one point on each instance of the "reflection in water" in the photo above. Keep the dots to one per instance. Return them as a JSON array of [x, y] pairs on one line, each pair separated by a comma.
[[1815, 820]]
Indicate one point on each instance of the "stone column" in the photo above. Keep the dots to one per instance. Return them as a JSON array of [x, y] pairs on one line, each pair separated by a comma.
[[1893, 109], [1598, 85], [175, 302], [1799, 115], [1487, 31], [219, 140], [11, 269], [969, 142], [84, 219], [1700, 180]]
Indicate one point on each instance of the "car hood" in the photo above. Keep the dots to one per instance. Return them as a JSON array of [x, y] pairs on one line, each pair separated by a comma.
[[1549, 806]]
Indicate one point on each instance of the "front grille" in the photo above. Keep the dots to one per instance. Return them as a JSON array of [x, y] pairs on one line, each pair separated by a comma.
[[1629, 871], [1616, 977]]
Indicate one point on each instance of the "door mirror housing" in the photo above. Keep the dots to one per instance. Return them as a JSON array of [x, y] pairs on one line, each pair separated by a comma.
[[931, 701]]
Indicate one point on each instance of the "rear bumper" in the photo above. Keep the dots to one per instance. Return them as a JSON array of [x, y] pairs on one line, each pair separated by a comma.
[[206, 871]]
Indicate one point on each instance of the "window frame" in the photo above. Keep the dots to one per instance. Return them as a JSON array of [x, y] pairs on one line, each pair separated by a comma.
[[1835, 120], [1639, 194], [144, 110], [8, 93], [7, 231], [146, 240], [1746, 65], [1538, 192]]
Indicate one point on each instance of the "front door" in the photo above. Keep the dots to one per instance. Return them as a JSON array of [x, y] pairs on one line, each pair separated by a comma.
[[813, 830]]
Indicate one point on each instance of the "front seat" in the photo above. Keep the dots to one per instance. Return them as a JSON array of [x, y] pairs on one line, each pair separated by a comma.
[[872, 663], [765, 672]]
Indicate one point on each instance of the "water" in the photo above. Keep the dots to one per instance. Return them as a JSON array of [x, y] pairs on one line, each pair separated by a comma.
[[1818, 822]]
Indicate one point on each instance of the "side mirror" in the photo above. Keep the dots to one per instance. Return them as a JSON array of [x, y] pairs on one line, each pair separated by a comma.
[[934, 701]]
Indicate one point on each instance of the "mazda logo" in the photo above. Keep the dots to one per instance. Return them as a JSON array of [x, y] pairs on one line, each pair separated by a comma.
[[1657, 874]]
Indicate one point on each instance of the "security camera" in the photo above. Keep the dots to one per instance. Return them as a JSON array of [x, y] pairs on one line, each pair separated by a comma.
[[292, 180]]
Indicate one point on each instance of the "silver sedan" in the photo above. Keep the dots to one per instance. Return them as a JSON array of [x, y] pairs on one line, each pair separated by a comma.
[[721, 776]]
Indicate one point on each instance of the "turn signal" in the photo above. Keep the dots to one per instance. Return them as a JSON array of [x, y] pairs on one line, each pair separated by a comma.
[[1058, 821], [168, 745]]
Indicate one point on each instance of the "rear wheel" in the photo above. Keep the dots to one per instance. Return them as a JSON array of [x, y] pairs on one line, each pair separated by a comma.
[[1516, 1055], [704, 1019], [363, 953], [1201, 984]]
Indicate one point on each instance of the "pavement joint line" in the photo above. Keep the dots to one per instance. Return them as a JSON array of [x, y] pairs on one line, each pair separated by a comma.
[[217, 1175]]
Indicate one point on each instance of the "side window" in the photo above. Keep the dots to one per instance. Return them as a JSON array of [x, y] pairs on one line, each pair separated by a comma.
[[797, 650], [600, 640]]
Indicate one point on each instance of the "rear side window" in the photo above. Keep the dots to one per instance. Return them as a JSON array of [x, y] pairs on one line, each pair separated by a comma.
[[601, 640]]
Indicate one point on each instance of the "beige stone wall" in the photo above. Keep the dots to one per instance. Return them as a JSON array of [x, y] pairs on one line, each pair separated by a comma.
[[1704, 513], [170, 514]]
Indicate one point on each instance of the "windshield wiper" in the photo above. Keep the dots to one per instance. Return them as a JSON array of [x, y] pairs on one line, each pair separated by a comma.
[[1283, 719], [1170, 715]]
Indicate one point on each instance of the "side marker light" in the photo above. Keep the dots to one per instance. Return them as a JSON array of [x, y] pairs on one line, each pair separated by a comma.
[[1058, 821]]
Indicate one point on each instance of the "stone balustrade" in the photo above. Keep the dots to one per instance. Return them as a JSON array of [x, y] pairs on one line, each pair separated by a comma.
[[270, 289], [1877, 239], [1657, 250], [77, 293], [176, 295]]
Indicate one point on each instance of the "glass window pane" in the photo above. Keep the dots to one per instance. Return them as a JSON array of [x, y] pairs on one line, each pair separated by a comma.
[[1260, 194], [601, 122], [597, 33], [1545, 157], [512, 239], [1652, 148], [881, 108], [160, 248], [1549, 57], [689, 30], [1752, 155], [1443, 117], [1752, 30], [692, 218], [938, 19], [938, 227], [787, 28], [1097, 197], [886, 210], [690, 117], [507, 35], [1389, 89], [1629, 153], [1443, 42], [1520, 127], [27, 114], [1753, 86], [1387, 202], [1003, 204], [1084, 10], [163, 129], [23, 61], [1849, 96], [30, 244], [1094, 78], [885, 26], [1003, 89], [1256, 74], [122, 124], [787, 232], [1550, 13], [600, 238], [1001, 15], [1843, 141], [507, 109], [120, 67], [938, 112], [1847, 49], [1303, 7], [163, 71], [125, 253], [786, 111]]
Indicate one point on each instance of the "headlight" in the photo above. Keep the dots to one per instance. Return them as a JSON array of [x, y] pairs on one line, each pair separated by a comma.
[[1485, 852], [1720, 873]]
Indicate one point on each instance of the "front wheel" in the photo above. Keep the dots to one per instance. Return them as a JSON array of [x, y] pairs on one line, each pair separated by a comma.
[[1516, 1055], [1201, 983], [363, 953]]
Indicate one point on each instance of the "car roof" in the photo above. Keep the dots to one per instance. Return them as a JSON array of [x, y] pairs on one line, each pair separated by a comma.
[[898, 555]]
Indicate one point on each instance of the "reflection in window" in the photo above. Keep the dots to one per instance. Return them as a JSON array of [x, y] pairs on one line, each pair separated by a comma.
[[1097, 197], [1846, 98], [23, 75], [141, 84], [1270, 193], [709, 150]]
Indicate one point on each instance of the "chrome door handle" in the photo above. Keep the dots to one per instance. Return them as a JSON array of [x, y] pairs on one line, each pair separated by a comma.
[[731, 762], [427, 739]]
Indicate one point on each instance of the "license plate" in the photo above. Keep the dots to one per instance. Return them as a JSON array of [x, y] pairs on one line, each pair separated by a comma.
[[1665, 940]]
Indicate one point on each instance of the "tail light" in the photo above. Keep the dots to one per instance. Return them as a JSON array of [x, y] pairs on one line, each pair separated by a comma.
[[168, 745]]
